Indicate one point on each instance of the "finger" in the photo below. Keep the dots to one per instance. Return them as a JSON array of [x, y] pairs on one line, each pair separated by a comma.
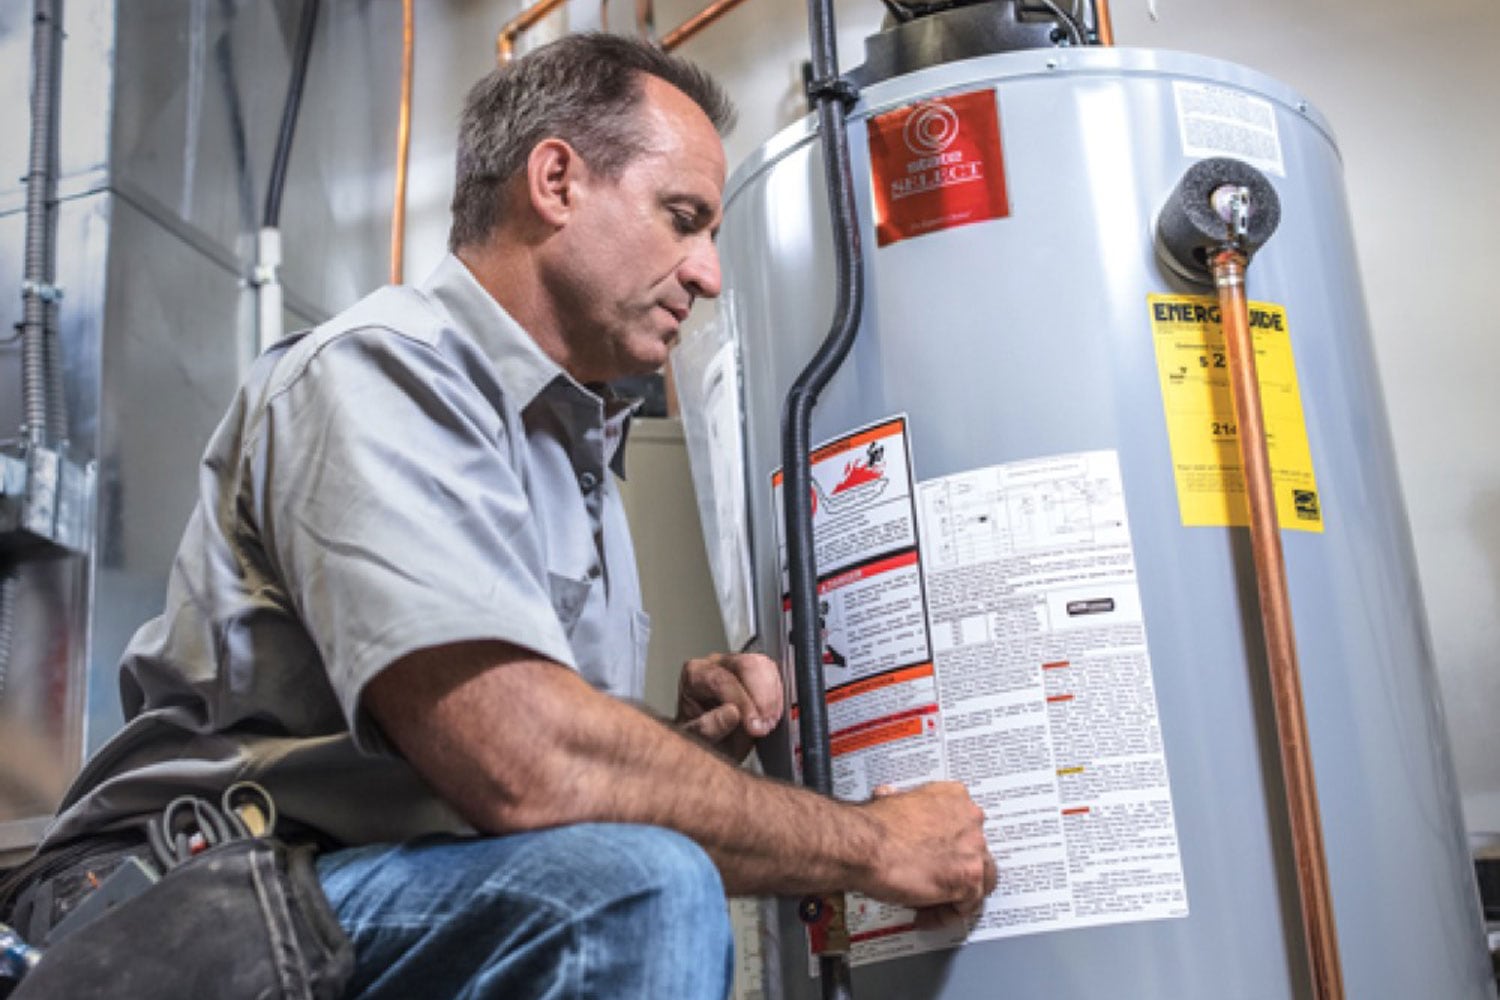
[[761, 679], [696, 689], [718, 682], [884, 791], [716, 724]]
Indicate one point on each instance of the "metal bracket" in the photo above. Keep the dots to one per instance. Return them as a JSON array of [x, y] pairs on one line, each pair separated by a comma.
[[46, 502], [1232, 202], [839, 87], [41, 290]]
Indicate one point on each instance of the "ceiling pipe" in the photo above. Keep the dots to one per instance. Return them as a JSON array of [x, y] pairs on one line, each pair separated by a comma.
[[698, 23], [505, 41], [403, 145]]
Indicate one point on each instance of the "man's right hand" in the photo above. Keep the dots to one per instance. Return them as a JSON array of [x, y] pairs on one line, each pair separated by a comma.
[[931, 855]]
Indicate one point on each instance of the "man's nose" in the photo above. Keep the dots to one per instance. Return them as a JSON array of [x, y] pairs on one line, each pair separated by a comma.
[[700, 271]]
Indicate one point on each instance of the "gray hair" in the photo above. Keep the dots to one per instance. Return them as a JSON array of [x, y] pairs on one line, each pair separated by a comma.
[[583, 89]]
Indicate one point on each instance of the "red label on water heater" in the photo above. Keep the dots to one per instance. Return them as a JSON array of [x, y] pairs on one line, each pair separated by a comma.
[[936, 165]]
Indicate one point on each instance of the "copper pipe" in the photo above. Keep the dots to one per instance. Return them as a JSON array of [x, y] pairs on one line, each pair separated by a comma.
[[1320, 934], [697, 23], [403, 145], [1102, 25], [505, 42]]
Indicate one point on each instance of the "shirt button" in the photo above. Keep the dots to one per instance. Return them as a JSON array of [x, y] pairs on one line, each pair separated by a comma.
[[587, 482], [595, 572]]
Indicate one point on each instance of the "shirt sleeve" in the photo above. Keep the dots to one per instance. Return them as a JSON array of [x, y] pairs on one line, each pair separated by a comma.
[[386, 490]]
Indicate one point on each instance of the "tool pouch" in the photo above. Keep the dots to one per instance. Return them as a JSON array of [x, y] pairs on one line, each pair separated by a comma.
[[245, 920]]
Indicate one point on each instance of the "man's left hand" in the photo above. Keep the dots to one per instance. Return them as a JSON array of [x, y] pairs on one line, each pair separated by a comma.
[[729, 700]]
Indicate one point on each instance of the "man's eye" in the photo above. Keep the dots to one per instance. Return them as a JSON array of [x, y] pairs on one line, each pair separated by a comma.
[[685, 223]]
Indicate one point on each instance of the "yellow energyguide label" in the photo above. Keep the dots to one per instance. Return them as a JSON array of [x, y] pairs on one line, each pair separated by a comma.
[[1195, 392]]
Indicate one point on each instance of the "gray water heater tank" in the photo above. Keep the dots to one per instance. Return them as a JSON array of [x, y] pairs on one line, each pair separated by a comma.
[[1045, 365]]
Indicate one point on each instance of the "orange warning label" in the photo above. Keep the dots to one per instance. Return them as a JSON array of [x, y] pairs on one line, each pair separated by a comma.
[[903, 676], [862, 738], [936, 165]]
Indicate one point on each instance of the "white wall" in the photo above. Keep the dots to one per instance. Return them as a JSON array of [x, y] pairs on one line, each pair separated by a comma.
[[1410, 89]]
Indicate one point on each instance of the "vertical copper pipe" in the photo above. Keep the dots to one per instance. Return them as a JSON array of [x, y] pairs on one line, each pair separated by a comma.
[[403, 145], [505, 42], [698, 22], [1321, 936], [1102, 24]]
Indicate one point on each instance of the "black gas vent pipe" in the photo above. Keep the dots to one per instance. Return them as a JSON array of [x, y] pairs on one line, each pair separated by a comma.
[[832, 95]]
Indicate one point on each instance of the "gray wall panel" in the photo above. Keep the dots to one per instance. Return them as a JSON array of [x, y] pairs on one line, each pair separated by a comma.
[[197, 121], [170, 356]]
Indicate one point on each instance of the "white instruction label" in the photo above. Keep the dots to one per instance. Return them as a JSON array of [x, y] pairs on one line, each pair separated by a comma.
[[1001, 645], [1046, 694], [1219, 121]]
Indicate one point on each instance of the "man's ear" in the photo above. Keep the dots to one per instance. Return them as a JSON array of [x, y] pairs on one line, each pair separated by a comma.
[[553, 172]]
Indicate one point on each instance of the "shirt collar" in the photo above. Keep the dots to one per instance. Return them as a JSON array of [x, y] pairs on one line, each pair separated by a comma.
[[523, 368], [525, 372]]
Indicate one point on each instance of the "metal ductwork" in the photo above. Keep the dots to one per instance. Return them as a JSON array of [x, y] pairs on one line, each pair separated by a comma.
[[167, 121]]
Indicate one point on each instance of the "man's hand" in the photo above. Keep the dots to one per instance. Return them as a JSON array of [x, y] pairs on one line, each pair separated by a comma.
[[729, 700], [933, 856]]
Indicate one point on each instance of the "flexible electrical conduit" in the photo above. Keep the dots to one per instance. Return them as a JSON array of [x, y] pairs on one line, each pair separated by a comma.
[[41, 367], [38, 356]]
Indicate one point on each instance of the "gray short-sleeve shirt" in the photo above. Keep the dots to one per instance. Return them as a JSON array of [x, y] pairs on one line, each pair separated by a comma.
[[414, 472]]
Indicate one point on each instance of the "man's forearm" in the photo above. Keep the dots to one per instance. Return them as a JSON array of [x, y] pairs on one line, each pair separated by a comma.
[[518, 743]]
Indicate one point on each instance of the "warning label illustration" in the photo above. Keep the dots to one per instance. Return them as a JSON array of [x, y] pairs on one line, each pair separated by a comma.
[[865, 534], [1194, 368]]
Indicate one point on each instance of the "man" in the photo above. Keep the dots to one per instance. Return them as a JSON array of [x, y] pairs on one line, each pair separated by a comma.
[[406, 603]]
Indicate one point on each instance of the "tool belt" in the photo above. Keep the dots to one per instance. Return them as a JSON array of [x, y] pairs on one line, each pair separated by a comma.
[[235, 916]]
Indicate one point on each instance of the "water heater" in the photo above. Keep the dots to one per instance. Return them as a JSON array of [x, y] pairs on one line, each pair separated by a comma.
[[1033, 574]]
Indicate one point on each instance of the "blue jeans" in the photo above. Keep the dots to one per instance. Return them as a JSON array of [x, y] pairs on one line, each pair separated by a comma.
[[596, 910]]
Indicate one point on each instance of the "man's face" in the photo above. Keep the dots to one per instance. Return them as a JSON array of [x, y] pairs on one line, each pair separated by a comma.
[[639, 248]]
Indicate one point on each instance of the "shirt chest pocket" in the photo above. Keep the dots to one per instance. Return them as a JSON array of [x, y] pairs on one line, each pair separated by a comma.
[[610, 645], [568, 598]]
